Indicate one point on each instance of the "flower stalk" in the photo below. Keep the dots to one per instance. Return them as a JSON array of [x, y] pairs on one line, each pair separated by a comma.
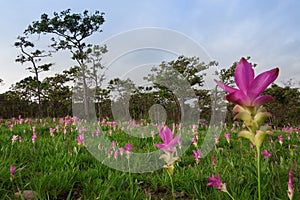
[[249, 107]]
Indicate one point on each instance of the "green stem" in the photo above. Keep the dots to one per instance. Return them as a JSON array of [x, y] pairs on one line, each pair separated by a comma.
[[230, 195], [172, 185], [130, 179], [258, 172]]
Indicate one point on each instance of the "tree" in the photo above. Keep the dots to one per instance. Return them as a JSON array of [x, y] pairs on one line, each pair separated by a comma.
[[72, 31], [96, 74], [120, 92], [58, 94], [34, 57], [286, 107], [176, 74]]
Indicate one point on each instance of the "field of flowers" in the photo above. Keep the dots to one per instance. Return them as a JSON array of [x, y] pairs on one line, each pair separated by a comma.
[[59, 158], [47, 158]]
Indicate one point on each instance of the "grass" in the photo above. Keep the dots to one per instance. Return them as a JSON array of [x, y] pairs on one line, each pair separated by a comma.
[[58, 168]]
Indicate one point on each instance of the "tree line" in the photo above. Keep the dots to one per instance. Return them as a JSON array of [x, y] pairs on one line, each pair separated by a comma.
[[54, 96]]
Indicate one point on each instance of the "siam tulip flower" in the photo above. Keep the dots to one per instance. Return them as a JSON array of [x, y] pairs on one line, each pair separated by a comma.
[[197, 135], [14, 139], [12, 170], [108, 152], [280, 138], [290, 190], [128, 147], [33, 138], [213, 161], [250, 87], [249, 107], [227, 136], [169, 142], [197, 155], [194, 142], [194, 127], [152, 134], [217, 183], [113, 144], [216, 139], [51, 130], [67, 122], [11, 127], [97, 132], [116, 154], [20, 139], [168, 147], [80, 139], [266, 154], [121, 150]]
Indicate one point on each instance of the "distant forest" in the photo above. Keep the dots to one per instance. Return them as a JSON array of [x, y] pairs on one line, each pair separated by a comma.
[[54, 96]]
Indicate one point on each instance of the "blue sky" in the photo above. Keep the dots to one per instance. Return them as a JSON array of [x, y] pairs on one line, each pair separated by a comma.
[[268, 31]]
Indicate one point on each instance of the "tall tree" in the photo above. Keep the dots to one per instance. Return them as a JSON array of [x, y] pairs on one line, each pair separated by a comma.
[[96, 74], [176, 74], [72, 31], [33, 56]]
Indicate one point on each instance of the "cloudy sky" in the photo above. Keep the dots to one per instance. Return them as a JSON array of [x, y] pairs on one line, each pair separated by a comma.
[[268, 31]]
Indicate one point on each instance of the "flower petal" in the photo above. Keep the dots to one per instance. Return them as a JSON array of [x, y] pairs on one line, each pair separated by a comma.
[[248, 135], [244, 74], [226, 87], [262, 81], [238, 97], [262, 99], [166, 134]]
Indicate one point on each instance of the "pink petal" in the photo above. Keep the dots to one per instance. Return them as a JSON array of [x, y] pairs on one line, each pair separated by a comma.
[[262, 99], [225, 87], [244, 74], [239, 97], [160, 146], [262, 81], [166, 134]]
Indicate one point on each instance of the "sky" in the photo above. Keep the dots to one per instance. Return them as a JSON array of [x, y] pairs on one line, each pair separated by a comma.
[[226, 30]]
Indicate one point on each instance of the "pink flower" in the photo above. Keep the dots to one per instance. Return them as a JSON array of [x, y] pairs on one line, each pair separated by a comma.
[[14, 139], [80, 139], [11, 127], [216, 139], [128, 147], [250, 88], [33, 138], [116, 154], [51, 130], [197, 155], [12, 170], [168, 141], [280, 138], [113, 144], [213, 161], [217, 183], [290, 190], [266, 154], [227, 136], [194, 141], [121, 149]]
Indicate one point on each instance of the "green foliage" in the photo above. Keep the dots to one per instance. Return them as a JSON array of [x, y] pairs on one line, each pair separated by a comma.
[[57, 168], [285, 108]]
